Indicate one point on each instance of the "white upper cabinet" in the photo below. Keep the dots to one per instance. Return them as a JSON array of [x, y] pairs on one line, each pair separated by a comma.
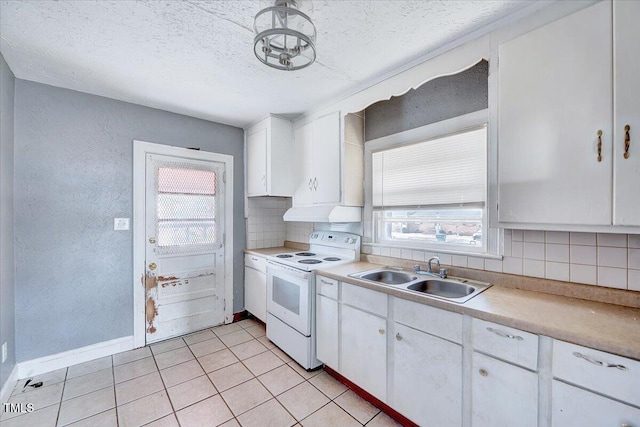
[[560, 139], [317, 154], [626, 37], [554, 97], [325, 162], [269, 158], [328, 166]]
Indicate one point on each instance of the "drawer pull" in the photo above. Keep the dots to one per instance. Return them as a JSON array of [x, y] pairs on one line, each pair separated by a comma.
[[254, 259], [505, 335], [598, 362], [599, 145], [381, 331], [483, 372], [326, 283]]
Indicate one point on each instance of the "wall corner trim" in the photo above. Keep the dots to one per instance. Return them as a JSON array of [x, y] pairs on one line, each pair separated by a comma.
[[45, 364]]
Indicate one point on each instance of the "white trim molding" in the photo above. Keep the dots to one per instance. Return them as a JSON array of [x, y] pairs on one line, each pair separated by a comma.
[[50, 363], [140, 150]]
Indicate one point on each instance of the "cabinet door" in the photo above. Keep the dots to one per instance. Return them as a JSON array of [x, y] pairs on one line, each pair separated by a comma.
[[363, 356], [326, 159], [255, 293], [502, 394], [327, 331], [257, 163], [302, 163], [427, 378], [626, 38], [555, 94], [572, 406]]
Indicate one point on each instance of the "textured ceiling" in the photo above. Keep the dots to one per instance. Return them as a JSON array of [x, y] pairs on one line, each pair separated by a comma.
[[196, 57]]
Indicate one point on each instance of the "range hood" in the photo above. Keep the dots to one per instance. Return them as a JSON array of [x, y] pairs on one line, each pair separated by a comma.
[[330, 213]]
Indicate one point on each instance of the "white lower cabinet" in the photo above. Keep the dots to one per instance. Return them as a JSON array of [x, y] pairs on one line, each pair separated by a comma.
[[573, 406], [255, 286], [363, 350], [427, 378], [418, 370], [503, 395], [327, 331]]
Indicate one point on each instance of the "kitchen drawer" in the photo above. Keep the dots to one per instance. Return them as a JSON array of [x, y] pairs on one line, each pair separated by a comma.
[[505, 343], [327, 287], [372, 301], [257, 262], [431, 320], [605, 373], [573, 406]]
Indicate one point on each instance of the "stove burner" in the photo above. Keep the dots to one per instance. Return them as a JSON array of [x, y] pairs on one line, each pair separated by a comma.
[[284, 256], [305, 254], [309, 261], [332, 258]]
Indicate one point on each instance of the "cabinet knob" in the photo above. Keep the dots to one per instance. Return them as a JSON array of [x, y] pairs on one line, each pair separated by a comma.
[[398, 337], [483, 372], [152, 266], [152, 239], [627, 141], [381, 331], [599, 145]]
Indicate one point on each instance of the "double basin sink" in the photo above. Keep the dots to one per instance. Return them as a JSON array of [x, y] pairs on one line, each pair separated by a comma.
[[451, 289]]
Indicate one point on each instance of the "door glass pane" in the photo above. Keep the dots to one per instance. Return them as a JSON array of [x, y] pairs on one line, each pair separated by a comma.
[[286, 294], [187, 209]]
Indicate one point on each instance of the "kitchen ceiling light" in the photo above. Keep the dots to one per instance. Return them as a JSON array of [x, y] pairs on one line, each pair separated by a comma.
[[285, 38]]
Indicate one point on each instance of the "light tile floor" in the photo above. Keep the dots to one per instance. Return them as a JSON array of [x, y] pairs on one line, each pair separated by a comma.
[[230, 375]]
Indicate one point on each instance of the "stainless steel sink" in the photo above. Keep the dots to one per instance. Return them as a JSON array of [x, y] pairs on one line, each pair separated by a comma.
[[388, 277], [451, 289]]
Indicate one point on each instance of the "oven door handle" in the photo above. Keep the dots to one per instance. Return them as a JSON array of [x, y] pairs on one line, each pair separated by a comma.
[[286, 270]]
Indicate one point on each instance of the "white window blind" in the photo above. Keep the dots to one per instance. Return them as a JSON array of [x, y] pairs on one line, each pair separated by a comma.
[[445, 171]]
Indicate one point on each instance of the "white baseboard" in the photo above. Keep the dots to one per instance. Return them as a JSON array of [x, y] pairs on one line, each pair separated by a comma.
[[45, 364], [8, 385]]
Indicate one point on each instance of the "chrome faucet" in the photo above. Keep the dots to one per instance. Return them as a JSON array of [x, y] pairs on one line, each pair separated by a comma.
[[429, 271]]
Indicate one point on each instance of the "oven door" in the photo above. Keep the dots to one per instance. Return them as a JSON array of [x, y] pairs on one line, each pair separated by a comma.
[[289, 296]]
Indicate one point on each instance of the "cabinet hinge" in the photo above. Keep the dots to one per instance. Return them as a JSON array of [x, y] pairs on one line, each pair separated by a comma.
[[224, 304], [224, 177]]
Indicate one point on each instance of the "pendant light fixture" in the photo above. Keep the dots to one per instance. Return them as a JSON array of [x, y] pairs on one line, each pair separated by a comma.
[[285, 38]]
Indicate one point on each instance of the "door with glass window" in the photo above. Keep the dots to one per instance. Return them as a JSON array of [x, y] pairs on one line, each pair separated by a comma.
[[184, 224]]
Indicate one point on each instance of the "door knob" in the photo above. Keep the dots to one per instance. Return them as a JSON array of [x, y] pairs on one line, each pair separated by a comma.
[[152, 266]]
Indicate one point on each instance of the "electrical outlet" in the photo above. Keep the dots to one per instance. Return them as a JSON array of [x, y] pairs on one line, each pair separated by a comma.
[[121, 223], [4, 352]]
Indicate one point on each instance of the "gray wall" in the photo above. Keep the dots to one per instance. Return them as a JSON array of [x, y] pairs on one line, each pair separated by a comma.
[[73, 164], [436, 100], [7, 312]]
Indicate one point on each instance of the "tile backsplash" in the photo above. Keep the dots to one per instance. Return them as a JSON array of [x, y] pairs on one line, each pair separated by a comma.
[[609, 260], [266, 228]]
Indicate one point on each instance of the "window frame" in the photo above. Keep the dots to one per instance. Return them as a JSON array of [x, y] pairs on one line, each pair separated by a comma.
[[491, 242]]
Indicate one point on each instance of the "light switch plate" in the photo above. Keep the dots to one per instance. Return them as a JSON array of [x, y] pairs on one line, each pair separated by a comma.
[[121, 223]]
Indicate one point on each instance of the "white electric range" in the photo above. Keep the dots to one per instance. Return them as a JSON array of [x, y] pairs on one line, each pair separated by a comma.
[[291, 291]]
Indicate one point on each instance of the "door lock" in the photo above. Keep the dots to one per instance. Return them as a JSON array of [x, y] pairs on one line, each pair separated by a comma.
[[152, 266], [152, 239]]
